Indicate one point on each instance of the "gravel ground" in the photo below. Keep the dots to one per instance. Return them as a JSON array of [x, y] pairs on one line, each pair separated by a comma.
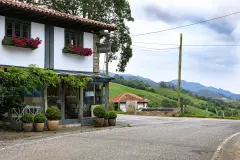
[[159, 138]]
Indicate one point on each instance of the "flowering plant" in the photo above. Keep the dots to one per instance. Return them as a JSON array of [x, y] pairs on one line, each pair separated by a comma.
[[77, 50], [22, 42]]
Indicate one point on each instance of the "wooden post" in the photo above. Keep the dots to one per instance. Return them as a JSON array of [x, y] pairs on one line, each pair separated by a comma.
[[62, 91], [94, 91], [45, 100], [107, 84], [80, 115], [179, 74], [106, 95]]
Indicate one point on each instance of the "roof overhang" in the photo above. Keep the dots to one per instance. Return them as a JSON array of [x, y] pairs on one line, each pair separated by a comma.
[[47, 16]]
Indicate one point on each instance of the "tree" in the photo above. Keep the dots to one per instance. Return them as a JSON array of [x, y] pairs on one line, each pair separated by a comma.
[[162, 85], [169, 104], [116, 12]]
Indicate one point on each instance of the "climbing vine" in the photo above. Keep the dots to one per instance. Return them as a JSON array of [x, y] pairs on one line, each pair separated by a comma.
[[74, 81], [16, 81]]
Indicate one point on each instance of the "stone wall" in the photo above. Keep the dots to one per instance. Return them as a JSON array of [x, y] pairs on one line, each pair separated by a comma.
[[95, 55], [159, 113]]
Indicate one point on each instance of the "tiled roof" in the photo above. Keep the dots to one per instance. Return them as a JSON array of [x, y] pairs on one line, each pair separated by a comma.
[[128, 97], [57, 14]]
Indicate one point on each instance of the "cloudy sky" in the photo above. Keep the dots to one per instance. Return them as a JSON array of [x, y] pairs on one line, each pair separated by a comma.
[[210, 66]]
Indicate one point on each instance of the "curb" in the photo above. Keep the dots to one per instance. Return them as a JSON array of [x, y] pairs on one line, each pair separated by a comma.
[[220, 147], [57, 136]]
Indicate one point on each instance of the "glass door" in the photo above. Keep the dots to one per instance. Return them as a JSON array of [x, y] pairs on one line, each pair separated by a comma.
[[71, 105]]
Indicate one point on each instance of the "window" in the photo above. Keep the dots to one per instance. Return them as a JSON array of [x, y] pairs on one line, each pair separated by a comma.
[[17, 28], [73, 38]]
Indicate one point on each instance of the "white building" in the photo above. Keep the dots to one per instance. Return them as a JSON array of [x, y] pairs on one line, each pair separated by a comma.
[[126, 99], [56, 30]]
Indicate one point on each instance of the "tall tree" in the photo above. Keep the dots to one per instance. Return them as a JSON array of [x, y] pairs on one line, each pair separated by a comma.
[[116, 12]]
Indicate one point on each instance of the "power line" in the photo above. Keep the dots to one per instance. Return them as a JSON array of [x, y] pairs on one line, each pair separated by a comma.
[[187, 24], [154, 50], [160, 49], [157, 43], [193, 45]]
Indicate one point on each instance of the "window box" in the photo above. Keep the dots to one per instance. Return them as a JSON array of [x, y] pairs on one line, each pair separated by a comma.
[[22, 42], [78, 50]]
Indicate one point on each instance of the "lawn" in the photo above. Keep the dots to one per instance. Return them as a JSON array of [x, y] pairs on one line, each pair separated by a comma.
[[171, 93], [196, 111], [117, 89]]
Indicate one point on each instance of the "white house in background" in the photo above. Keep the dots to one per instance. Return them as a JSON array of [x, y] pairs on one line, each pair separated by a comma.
[[56, 31], [124, 98]]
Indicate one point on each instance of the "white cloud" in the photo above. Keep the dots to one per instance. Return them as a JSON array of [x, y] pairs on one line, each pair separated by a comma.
[[212, 66]]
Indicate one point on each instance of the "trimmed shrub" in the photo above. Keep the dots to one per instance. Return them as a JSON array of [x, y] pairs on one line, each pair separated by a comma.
[[53, 113], [106, 115], [27, 118], [112, 115], [39, 118], [99, 111]]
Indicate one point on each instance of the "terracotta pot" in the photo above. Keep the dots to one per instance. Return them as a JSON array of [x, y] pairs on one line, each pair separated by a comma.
[[112, 122], [52, 125], [99, 122], [39, 127], [105, 123], [27, 127]]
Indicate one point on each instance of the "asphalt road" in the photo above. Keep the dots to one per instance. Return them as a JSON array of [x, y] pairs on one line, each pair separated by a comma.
[[150, 138]]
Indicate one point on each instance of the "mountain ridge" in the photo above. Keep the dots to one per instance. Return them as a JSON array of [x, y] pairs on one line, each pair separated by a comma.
[[199, 88], [195, 87]]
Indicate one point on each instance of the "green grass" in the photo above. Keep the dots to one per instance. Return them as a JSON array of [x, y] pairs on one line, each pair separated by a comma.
[[117, 89], [196, 111], [171, 93]]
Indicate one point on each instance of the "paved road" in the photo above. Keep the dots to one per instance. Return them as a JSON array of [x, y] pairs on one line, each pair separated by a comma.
[[150, 138]]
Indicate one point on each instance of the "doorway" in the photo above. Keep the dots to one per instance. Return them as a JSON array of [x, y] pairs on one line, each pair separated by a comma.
[[71, 105]]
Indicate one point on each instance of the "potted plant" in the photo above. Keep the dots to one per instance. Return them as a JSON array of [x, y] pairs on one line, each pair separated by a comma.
[[27, 120], [99, 112], [112, 118], [106, 116], [39, 120], [53, 115]]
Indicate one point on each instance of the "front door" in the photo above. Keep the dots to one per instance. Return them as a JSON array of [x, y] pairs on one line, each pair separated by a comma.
[[71, 100]]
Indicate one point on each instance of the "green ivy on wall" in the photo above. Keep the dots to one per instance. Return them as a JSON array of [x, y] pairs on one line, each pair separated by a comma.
[[17, 81]]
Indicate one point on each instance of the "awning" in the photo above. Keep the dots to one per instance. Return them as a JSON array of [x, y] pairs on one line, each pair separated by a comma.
[[95, 76]]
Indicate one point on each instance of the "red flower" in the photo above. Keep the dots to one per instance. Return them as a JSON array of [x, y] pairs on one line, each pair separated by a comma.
[[25, 42], [78, 50]]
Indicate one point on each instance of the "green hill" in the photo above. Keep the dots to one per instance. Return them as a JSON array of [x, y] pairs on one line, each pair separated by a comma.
[[117, 89], [162, 93], [170, 93]]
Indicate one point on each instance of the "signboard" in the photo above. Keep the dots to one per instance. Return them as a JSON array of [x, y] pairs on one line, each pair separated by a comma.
[[104, 48]]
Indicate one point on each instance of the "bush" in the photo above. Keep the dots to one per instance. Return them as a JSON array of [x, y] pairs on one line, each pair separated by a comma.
[[99, 111], [27, 118], [112, 115], [53, 113], [111, 107], [39, 118], [106, 115]]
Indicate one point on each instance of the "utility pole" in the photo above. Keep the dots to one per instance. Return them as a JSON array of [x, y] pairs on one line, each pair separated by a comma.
[[179, 74]]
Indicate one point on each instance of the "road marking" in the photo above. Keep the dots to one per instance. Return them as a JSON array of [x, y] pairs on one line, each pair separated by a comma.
[[215, 156]]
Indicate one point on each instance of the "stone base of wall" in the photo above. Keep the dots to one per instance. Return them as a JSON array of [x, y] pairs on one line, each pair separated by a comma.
[[159, 113]]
